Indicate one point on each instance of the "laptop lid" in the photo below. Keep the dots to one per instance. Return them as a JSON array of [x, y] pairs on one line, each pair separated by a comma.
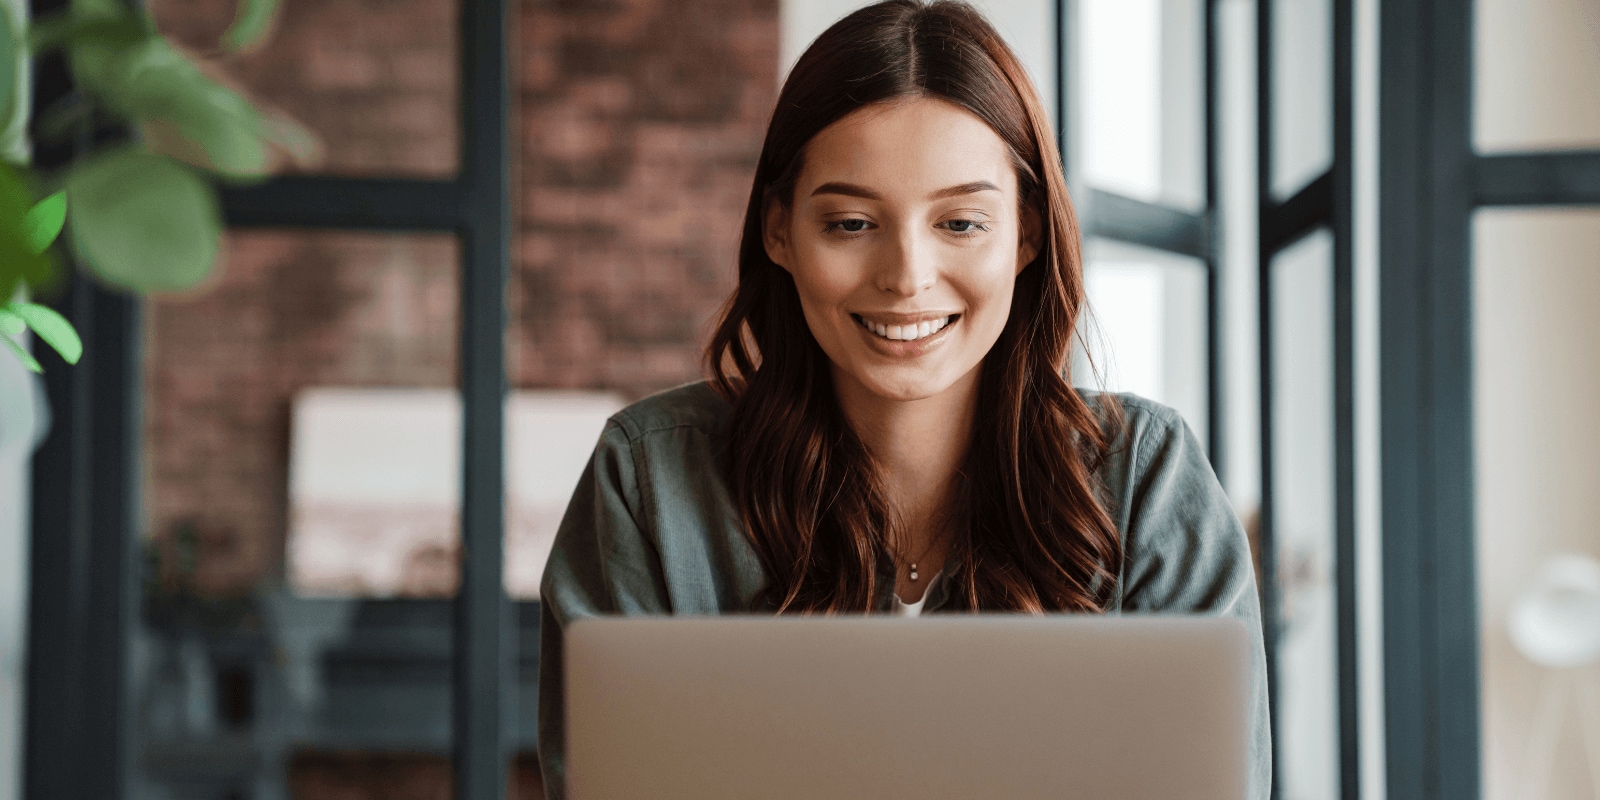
[[1110, 708]]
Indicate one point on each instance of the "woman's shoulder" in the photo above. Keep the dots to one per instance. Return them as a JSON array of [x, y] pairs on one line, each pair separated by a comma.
[[1133, 421], [1146, 437], [692, 405]]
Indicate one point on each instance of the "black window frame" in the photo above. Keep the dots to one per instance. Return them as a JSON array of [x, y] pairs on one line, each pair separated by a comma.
[[1431, 183], [85, 595], [1325, 202], [1169, 229]]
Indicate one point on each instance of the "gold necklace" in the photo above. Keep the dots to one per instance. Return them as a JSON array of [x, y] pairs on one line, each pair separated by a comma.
[[932, 542], [941, 526]]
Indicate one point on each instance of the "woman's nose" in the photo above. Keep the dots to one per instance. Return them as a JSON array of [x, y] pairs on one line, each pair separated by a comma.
[[906, 267]]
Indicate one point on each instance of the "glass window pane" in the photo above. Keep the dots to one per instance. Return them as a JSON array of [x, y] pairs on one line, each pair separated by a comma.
[[1537, 74], [1302, 93], [1537, 438], [378, 83], [1303, 523], [254, 641], [1146, 328], [1142, 73], [1239, 322]]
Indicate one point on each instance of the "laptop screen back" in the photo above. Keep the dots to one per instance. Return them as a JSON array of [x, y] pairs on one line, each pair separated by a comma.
[[1110, 708]]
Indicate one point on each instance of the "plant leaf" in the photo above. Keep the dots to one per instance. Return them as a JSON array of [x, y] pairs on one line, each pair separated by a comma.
[[297, 141], [11, 51], [53, 328], [143, 221], [187, 114], [184, 112], [19, 263], [104, 32], [250, 25], [64, 119], [43, 223], [100, 8], [67, 29], [49, 31], [10, 323], [27, 358]]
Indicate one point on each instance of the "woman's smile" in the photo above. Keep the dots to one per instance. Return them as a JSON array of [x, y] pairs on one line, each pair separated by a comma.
[[904, 335]]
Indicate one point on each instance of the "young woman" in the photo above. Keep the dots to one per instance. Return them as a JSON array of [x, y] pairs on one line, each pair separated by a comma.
[[890, 425]]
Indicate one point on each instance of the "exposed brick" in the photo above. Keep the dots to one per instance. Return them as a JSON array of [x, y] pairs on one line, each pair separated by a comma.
[[289, 311], [334, 65], [638, 127]]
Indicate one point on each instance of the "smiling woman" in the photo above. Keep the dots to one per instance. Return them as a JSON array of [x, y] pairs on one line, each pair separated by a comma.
[[890, 425], [900, 271]]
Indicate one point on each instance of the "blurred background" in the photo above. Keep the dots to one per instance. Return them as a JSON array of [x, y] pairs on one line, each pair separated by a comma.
[[294, 505]]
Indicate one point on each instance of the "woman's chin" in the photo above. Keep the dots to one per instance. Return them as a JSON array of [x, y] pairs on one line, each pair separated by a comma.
[[904, 388]]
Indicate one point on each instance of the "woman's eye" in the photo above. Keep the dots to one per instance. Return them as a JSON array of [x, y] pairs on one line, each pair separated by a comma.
[[964, 226], [848, 225]]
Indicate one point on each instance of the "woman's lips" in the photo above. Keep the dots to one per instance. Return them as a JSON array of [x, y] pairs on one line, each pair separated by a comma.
[[924, 334], [906, 331]]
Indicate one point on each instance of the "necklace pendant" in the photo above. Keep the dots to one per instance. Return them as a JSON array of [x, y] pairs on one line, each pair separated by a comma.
[[913, 572]]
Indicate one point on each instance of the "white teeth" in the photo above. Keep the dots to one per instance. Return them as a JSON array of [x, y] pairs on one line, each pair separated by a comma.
[[907, 333]]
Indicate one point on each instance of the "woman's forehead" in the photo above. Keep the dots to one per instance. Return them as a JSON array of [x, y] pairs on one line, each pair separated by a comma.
[[913, 147]]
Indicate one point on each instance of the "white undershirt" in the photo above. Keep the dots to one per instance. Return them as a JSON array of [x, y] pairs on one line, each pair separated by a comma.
[[904, 609]]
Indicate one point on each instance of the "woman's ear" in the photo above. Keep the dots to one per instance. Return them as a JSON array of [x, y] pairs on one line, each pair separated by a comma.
[[1031, 238], [775, 233]]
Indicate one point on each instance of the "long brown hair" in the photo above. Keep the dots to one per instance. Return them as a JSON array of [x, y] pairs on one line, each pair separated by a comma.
[[1030, 531]]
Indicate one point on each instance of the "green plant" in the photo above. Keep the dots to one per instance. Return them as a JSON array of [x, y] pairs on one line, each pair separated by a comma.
[[40, 226], [145, 215]]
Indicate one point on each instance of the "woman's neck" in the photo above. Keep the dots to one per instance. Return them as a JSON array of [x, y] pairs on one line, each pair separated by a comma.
[[918, 444]]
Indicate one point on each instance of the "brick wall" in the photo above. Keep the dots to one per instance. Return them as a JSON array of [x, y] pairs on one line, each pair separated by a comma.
[[289, 310], [376, 79], [639, 125]]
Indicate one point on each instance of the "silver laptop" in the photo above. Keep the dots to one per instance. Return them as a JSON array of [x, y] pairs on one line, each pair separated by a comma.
[[1109, 708]]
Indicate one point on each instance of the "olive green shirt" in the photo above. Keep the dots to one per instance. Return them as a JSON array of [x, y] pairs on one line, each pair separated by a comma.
[[651, 529]]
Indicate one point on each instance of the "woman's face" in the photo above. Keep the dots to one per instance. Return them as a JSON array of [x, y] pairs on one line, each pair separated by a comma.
[[904, 240]]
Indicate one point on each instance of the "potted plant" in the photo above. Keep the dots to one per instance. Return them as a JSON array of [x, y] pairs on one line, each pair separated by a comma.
[[143, 214]]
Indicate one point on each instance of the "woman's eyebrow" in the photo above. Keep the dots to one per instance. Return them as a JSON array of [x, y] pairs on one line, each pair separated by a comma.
[[846, 189], [965, 188], [854, 190]]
